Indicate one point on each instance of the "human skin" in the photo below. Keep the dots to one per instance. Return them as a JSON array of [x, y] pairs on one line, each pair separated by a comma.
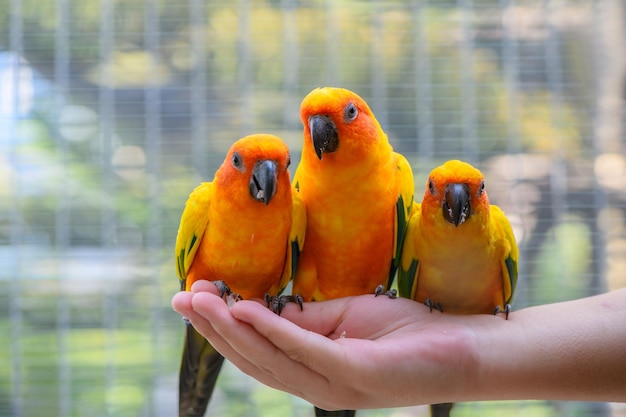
[[376, 352]]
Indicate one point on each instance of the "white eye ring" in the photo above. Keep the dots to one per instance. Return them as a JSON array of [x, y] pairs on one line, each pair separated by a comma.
[[350, 112], [237, 161], [481, 189]]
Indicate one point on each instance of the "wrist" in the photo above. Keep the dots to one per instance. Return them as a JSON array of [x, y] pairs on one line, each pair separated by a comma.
[[560, 351], [484, 371]]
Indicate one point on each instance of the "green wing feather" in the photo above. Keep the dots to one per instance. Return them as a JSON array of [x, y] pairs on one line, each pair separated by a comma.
[[296, 239], [409, 263], [404, 206], [407, 279], [510, 255], [193, 224], [511, 268]]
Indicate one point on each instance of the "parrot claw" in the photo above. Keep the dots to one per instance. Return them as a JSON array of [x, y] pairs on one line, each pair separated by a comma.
[[506, 311], [223, 288], [433, 305], [276, 304], [380, 290], [186, 321], [225, 293]]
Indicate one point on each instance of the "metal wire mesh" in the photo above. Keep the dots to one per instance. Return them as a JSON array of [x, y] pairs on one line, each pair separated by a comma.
[[111, 112]]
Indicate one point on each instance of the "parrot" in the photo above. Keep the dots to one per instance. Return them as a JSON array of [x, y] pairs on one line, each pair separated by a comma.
[[358, 195], [245, 231], [460, 255]]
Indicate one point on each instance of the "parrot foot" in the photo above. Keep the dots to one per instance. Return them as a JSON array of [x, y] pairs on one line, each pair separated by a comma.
[[380, 290], [225, 293], [276, 304], [506, 311], [433, 305]]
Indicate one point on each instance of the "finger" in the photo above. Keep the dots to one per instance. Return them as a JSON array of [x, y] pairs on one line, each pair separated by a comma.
[[209, 309], [362, 316], [213, 310], [321, 317], [204, 286], [231, 336], [181, 303], [315, 352]]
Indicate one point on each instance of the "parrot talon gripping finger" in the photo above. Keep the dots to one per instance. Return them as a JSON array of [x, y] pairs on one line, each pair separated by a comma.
[[506, 311], [278, 303], [232, 298], [223, 288], [380, 290], [298, 299], [186, 321], [433, 305]]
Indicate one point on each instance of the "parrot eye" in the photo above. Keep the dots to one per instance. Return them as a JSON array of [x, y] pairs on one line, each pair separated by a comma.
[[350, 112], [481, 189], [431, 187], [237, 161], [288, 161]]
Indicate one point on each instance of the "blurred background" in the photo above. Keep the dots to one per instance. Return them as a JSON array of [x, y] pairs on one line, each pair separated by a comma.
[[112, 111]]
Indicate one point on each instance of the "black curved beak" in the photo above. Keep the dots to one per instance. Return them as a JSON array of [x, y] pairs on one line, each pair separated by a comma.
[[456, 204], [264, 181], [324, 134]]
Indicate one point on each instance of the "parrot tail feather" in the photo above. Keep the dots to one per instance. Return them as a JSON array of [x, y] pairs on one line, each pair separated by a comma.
[[440, 410], [339, 413], [199, 370]]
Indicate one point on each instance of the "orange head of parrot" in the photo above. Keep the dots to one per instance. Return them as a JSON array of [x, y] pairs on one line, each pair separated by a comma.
[[458, 189], [336, 118], [258, 163]]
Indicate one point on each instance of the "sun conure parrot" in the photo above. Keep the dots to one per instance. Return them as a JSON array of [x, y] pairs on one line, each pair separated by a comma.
[[245, 230], [358, 195], [460, 254]]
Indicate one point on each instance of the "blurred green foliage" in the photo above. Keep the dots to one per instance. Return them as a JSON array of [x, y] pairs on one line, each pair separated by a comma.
[[563, 264]]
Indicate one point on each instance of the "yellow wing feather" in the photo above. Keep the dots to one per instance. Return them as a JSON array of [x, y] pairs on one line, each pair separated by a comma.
[[409, 264], [193, 224], [510, 254], [296, 239], [404, 205]]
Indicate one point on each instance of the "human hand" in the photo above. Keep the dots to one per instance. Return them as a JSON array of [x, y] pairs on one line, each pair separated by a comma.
[[349, 353], [366, 352]]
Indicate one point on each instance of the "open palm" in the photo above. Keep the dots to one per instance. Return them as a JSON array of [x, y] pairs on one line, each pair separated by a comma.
[[324, 352]]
